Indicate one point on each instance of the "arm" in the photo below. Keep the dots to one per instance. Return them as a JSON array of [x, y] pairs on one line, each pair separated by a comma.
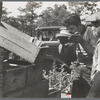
[[89, 39], [79, 39], [98, 54], [87, 47]]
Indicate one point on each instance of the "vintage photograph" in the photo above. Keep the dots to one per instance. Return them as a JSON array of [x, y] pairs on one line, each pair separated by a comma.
[[49, 49]]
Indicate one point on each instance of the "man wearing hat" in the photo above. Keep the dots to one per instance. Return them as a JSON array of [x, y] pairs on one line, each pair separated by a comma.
[[95, 73], [67, 51]]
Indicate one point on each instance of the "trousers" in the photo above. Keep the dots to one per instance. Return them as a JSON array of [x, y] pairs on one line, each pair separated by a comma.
[[81, 84], [79, 89], [95, 88]]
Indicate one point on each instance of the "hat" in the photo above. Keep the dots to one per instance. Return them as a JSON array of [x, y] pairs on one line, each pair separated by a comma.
[[94, 17], [63, 33]]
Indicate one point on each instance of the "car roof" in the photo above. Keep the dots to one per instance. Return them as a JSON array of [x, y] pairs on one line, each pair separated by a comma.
[[48, 28]]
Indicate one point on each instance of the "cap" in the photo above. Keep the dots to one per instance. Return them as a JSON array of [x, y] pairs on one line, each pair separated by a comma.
[[94, 17], [63, 32]]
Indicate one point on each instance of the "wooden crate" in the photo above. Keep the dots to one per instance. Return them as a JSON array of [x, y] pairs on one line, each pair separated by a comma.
[[15, 81], [54, 93], [36, 91], [18, 42], [34, 74], [19, 46], [11, 80]]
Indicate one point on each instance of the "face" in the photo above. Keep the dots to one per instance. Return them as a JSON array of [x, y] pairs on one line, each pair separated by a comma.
[[72, 28]]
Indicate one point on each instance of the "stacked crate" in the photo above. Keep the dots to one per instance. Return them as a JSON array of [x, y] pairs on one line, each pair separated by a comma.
[[22, 81], [25, 81]]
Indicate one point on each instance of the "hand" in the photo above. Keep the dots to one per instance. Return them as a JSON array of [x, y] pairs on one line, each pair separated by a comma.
[[76, 38]]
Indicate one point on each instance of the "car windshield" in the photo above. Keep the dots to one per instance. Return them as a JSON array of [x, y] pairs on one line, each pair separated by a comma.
[[47, 33]]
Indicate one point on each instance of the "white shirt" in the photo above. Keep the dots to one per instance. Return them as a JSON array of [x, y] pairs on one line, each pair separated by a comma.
[[96, 60], [90, 37]]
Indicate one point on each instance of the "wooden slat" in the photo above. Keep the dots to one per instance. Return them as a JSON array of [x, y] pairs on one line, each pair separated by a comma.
[[17, 40], [18, 45], [16, 32], [51, 43], [17, 50]]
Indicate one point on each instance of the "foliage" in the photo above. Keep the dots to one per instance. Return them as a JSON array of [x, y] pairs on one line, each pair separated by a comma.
[[83, 7], [10, 20], [28, 17], [3, 12], [59, 80], [53, 17]]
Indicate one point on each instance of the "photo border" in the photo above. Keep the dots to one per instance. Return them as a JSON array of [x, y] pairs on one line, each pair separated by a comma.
[[48, 98]]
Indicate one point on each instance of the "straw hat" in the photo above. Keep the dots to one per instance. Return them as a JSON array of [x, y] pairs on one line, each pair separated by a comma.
[[63, 33]]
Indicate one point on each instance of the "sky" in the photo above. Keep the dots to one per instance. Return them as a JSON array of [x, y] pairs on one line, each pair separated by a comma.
[[12, 6]]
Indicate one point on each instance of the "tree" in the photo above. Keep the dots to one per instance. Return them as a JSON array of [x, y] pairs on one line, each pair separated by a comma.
[[0, 10], [28, 19], [83, 7], [4, 12], [53, 17], [10, 20]]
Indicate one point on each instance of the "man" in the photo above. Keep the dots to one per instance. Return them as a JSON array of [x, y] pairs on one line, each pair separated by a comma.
[[66, 54], [66, 50], [81, 81], [95, 74]]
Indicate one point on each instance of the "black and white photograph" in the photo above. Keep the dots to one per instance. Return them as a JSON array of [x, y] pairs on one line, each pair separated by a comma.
[[49, 49]]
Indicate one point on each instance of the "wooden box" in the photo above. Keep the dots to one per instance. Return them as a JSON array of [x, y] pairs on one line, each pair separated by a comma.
[[19, 46], [22, 83], [18, 42]]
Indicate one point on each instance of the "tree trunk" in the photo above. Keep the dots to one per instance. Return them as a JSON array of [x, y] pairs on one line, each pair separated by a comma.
[[0, 10]]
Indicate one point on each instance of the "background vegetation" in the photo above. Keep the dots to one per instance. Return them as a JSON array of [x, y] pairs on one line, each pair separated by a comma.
[[28, 19]]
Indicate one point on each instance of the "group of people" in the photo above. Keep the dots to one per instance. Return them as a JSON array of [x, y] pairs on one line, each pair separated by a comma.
[[79, 47]]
